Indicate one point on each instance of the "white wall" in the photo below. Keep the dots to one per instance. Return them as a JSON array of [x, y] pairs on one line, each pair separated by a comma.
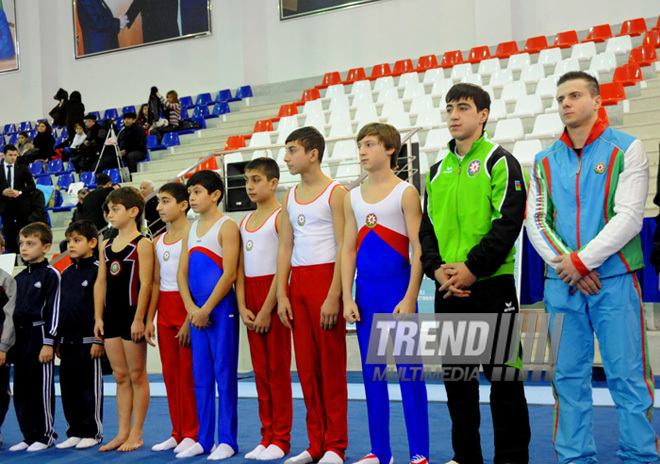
[[251, 45]]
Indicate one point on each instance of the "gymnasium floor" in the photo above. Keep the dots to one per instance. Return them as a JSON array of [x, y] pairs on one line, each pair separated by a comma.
[[157, 427]]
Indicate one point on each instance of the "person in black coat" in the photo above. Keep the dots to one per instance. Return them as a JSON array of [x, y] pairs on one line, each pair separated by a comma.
[[92, 208], [86, 158], [16, 185], [132, 142], [98, 26], [44, 145], [75, 111], [59, 112]]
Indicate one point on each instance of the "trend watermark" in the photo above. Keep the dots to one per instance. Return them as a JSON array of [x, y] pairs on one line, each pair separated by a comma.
[[453, 346]]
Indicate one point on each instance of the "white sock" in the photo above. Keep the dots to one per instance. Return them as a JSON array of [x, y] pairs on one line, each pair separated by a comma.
[[223, 451], [255, 452], [19, 446], [69, 443], [369, 459], [164, 446], [184, 445], [194, 450], [302, 458], [270, 453], [37, 446], [330, 457], [88, 443]]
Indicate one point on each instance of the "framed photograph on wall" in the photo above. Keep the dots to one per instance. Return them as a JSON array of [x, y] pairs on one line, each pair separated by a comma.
[[104, 26], [8, 37], [295, 8]]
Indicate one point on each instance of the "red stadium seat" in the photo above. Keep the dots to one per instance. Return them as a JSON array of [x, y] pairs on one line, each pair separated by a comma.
[[536, 44], [286, 110], [602, 115], [265, 125], [309, 95], [449, 59], [477, 54], [599, 33], [234, 142], [612, 93], [566, 39], [426, 62], [633, 27], [380, 70], [329, 79], [628, 74], [209, 165], [402, 67], [506, 49], [652, 37], [354, 75], [643, 56]]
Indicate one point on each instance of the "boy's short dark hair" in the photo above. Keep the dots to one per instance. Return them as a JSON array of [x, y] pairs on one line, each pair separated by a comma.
[[387, 134], [210, 180], [103, 179], [9, 147], [128, 197], [178, 191], [266, 165], [39, 230], [85, 228], [592, 82], [472, 92], [24, 134], [310, 138]]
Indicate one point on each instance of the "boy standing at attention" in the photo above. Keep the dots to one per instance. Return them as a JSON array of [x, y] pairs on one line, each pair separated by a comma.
[[382, 223], [36, 318], [270, 341], [474, 210], [207, 272], [79, 351], [309, 250], [7, 335], [121, 299], [173, 323]]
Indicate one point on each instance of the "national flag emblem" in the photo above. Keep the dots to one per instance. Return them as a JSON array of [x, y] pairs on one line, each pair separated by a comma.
[[518, 186], [600, 168], [249, 245], [371, 220], [473, 168], [301, 220]]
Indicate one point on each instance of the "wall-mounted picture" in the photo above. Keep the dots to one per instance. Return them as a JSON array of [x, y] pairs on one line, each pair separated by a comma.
[[295, 8], [8, 37], [103, 26]]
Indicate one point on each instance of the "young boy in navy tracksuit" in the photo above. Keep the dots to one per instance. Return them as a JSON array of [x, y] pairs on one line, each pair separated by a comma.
[[80, 352], [35, 319]]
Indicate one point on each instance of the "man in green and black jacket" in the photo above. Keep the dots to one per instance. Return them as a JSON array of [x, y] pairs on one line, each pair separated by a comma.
[[473, 213]]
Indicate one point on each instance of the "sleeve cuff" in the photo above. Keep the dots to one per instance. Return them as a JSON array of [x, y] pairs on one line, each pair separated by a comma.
[[579, 265], [49, 341]]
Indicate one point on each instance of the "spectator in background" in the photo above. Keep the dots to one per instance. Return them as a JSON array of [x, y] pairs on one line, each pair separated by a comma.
[[75, 145], [82, 193], [44, 145], [24, 143], [151, 215], [75, 112], [173, 109], [98, 25], [59, 112], [92, 208], [143, 119], [85, 159], [16, 183], [38, 211], [132, 142]]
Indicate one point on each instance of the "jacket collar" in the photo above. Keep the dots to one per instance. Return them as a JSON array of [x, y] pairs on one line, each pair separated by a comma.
[[596, 131], [36, 266], [84, 262], [475, 145]]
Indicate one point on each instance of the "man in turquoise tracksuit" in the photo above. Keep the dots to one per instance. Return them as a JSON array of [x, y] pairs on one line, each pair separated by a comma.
[[584, 214], [473, 213]]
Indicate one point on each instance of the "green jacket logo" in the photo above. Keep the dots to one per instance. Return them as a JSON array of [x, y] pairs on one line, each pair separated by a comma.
[[473, 168]]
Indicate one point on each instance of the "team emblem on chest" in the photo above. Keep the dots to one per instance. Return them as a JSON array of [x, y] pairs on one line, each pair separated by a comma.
[[166, 256], [474, 167], [249, 245], [115, 267], [301, 220], [600, 168], [371, 220]]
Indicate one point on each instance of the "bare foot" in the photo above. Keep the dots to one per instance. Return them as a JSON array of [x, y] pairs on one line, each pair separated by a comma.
[[133, 442], [114, 443]]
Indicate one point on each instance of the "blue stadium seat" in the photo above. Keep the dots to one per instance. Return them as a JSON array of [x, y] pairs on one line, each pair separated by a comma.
[[32, 133], [55, 167], [13, 139], [9, 129], [110, 113], [70, 167], [186, 102], [64, 181], [201, 122], [128, 109], [114, 175], [88, 178], [244, 92], [201, 112], [203, 99], [224, 96], [152, 143], [36, 169], [44, 180], [25, 126], [219, 109], [2, 141], [59, 140], [170, 139], [64, 133]]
